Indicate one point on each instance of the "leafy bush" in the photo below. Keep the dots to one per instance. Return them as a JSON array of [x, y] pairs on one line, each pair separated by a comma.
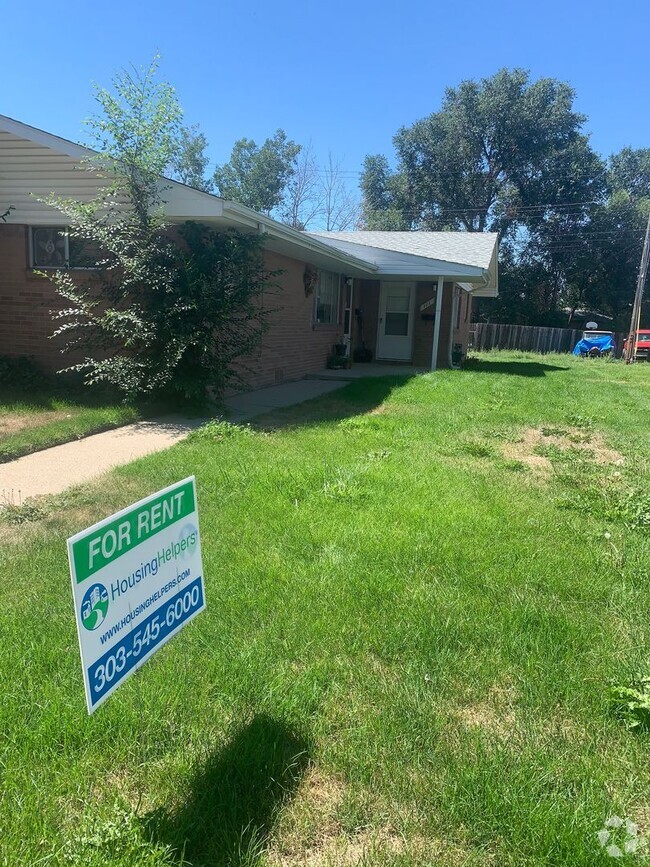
[[164, 311], [21, 373]]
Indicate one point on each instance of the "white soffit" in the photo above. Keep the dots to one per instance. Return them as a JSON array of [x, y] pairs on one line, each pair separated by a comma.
[[34, 164]]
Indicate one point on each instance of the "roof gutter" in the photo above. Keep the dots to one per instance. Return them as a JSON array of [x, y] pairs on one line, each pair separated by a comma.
[[269, 226]]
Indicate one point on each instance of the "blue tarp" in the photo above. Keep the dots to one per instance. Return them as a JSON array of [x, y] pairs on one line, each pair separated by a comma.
[[602, 342]]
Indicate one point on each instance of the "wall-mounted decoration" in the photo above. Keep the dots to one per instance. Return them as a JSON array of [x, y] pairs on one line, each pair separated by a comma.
[[310, 279]]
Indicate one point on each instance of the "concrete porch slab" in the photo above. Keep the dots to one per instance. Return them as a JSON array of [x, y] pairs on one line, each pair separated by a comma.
[[253, 403]]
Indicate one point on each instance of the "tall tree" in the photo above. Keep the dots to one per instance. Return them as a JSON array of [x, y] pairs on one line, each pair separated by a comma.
[[383, 196], [317, 197], [615, 237], [258, 176], [136, 136], [301, 205], [495, 152], [629, 170], [153, 315], [190, 162], [340, 209]]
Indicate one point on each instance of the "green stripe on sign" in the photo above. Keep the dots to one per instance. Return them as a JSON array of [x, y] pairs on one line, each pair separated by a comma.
[[104, 544]]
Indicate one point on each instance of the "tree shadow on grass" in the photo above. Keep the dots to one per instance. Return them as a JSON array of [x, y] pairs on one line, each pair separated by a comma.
[[357, 397], [235, 798], [512, 368]]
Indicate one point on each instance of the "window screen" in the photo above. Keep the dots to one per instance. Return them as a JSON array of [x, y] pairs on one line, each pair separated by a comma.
[[327, 299]]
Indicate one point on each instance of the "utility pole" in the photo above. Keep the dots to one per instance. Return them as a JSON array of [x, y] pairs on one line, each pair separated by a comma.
[[635, 322]]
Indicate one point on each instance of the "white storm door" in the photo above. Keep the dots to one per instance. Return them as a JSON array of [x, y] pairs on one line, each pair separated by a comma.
[[395, 331]]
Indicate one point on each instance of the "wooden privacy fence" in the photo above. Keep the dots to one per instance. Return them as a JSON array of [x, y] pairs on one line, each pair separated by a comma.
[[528, 338]]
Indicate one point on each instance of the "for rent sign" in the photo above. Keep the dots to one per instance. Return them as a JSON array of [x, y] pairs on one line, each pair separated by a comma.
[[137, 579]]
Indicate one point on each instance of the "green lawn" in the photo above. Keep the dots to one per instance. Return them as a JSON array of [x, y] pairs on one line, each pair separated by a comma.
[[419, 596], [42, 418]]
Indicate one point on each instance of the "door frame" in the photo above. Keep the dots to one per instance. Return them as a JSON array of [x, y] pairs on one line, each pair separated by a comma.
[[383, 284]]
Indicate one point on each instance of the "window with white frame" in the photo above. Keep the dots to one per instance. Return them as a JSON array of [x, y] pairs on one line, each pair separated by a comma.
[[53, 247], [327, 298]]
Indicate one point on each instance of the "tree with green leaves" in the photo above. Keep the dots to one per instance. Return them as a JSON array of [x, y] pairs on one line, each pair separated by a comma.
[[166, 309], [384, 206], [190, 163], [613, 239], [499, 152], [257, 176]]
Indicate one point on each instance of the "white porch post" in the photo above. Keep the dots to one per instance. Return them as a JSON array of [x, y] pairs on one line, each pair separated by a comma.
[[452, 322], [436, 324]]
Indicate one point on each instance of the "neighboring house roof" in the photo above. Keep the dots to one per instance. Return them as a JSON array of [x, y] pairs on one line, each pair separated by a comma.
[[33, 163]]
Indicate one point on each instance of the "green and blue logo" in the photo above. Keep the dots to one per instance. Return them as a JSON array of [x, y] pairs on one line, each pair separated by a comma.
[[187, 539], [94, 606]]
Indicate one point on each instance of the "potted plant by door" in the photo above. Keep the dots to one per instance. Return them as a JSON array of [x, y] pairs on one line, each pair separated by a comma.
[[338, 357], [340, 347]]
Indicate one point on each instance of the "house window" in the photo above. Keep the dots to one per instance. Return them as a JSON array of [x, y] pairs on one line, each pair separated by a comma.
[[327, 298], [53, 247]]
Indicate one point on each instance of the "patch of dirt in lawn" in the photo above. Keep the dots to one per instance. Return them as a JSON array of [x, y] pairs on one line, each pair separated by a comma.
[[342, 851], [309, 823], [531, 440], [494, 714], [558, 726], [10, 424], [371, 846], [636, 384], [311, 834]]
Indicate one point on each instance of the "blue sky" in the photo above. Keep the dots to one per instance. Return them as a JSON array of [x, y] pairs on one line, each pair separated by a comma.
[[345, 75]]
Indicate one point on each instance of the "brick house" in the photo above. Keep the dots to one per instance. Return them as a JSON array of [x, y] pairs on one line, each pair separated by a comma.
[[406, 296]]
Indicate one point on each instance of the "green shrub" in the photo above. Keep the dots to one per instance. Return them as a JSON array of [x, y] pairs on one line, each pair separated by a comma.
[[21, 373]]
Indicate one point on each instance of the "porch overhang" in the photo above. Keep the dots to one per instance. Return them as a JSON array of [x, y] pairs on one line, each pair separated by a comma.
[[475, 268]]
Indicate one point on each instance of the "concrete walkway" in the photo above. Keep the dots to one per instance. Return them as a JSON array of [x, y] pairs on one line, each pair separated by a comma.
[[53, 470], [252, 403]]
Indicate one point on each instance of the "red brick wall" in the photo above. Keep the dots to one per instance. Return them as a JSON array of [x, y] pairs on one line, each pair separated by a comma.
[[25, 304], [293, 346], [423, 331], [423, 328]]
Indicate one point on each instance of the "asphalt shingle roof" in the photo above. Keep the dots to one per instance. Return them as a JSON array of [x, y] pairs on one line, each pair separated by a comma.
[[464, 248]]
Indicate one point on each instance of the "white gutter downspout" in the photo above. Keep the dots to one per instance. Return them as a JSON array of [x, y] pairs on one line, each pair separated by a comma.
[[436, 324]]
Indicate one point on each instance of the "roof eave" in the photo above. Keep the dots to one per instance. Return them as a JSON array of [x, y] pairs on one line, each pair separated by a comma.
[[267, 225]]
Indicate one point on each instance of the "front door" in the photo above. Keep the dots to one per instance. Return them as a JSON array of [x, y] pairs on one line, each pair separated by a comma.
[[395, 332]]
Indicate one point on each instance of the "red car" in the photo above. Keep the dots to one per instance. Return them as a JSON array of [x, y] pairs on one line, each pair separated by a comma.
[[642, 345]]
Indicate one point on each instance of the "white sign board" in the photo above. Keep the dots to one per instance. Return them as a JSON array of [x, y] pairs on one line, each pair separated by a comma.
[[427, 304], [137, 579]]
